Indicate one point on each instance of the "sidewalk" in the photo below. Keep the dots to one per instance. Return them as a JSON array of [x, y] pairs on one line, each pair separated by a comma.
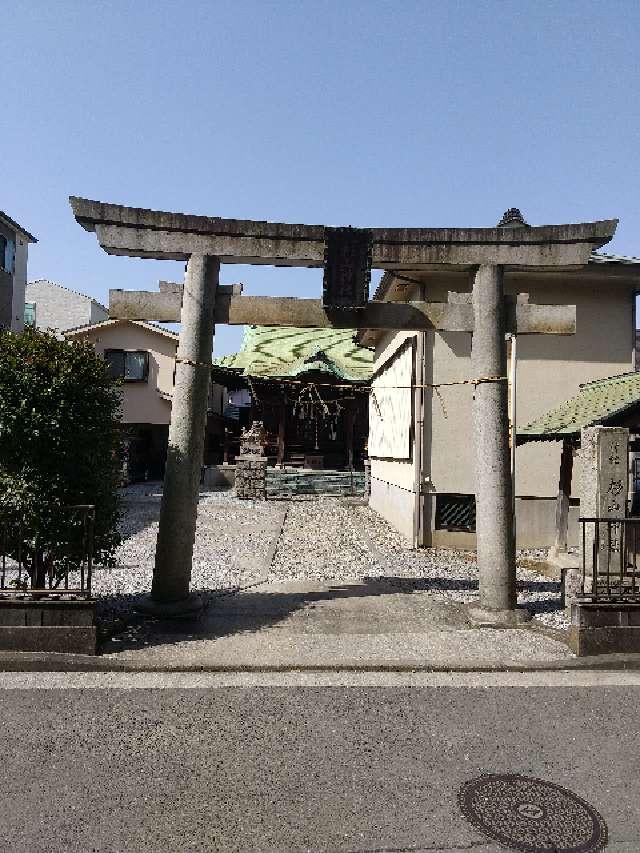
[[353, 626], [329, 625]]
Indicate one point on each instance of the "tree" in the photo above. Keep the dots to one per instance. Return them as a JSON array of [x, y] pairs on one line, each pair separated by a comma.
[[60, 446]]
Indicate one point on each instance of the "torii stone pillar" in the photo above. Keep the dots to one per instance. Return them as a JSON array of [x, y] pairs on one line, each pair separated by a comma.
[[494, 500], [179, 508]]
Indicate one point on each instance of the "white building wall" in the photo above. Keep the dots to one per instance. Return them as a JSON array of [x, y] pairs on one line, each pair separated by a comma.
[[550, 370], [60, 309], [392, 480]]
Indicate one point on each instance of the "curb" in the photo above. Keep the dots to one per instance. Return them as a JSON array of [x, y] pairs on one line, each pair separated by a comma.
[[58, 662]]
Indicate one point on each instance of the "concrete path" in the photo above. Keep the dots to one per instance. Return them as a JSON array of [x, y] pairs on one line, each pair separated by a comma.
[[285, 763], [313, 625]]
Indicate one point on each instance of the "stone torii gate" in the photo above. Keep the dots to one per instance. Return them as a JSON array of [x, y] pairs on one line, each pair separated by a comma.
[[347, 256]]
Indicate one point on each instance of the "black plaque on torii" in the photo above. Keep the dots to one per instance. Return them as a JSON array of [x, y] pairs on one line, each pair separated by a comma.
[[347, 267]]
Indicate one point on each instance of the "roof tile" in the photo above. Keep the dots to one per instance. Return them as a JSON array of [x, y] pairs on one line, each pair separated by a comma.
[[289, 351], [597, 402]]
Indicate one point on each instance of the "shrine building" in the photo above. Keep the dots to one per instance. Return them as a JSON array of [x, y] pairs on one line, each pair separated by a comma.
[[309, 387]]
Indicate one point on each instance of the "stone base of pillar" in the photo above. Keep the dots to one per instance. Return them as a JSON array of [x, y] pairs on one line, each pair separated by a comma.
[[188, 608], [498, 618]]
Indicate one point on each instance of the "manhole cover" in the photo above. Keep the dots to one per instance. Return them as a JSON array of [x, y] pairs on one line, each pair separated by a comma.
[[532, 815]]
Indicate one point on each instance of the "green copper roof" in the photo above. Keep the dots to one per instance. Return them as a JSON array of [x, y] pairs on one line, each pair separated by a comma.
[[288, 351], [598, 402]]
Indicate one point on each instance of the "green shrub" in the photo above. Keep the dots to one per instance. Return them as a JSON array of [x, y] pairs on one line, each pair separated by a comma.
[[59, 445]]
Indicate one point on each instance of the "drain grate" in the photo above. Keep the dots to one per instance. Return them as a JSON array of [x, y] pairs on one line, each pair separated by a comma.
[[532, 815]]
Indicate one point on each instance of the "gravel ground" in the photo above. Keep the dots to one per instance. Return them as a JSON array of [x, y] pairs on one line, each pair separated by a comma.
[[322, 539], [328, 539], [231, 548]]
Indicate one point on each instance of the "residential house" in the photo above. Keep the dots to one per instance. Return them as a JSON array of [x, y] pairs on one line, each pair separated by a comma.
[[421, 445], [14, 248], [49, 305], [143, 355]]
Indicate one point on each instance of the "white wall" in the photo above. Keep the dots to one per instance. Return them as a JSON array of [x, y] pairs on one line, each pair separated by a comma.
[[60, 309], [392, 480], [550, 370]]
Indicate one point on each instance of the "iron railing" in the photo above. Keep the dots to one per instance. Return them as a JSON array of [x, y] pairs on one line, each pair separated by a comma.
[[31, 567], [610, 559]]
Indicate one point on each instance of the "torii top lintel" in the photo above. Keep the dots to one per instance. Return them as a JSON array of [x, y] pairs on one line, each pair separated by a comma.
[[137, 232]]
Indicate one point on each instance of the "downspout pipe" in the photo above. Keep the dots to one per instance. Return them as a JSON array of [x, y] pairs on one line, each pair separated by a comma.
[[513, 378], [418, 438]]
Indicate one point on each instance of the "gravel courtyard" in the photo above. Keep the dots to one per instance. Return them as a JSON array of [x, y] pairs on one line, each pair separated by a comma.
[[242, 543]]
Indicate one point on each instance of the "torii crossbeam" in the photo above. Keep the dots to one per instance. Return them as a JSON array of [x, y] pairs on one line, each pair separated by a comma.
[[205, 242]]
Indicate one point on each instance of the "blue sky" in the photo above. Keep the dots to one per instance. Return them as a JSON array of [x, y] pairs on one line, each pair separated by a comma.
[[362, 113]]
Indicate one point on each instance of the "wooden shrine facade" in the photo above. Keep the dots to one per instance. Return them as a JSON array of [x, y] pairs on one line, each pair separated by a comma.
[[310, 423], [309, 388]]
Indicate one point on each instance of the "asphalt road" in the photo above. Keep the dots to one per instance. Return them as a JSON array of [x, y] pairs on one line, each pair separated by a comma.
[[288, 763]]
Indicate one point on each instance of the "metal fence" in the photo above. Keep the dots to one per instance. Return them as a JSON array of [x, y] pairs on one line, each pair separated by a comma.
[[32, 567], [610, 558]]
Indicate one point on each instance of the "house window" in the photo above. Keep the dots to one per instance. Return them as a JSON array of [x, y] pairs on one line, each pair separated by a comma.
[[29, 313], [7, 254], [130, 365]]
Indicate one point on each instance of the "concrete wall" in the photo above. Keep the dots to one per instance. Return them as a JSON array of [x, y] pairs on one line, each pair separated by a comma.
[[61, 309], [550, 370], [393, 503], [535, 527], [219, 477]]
